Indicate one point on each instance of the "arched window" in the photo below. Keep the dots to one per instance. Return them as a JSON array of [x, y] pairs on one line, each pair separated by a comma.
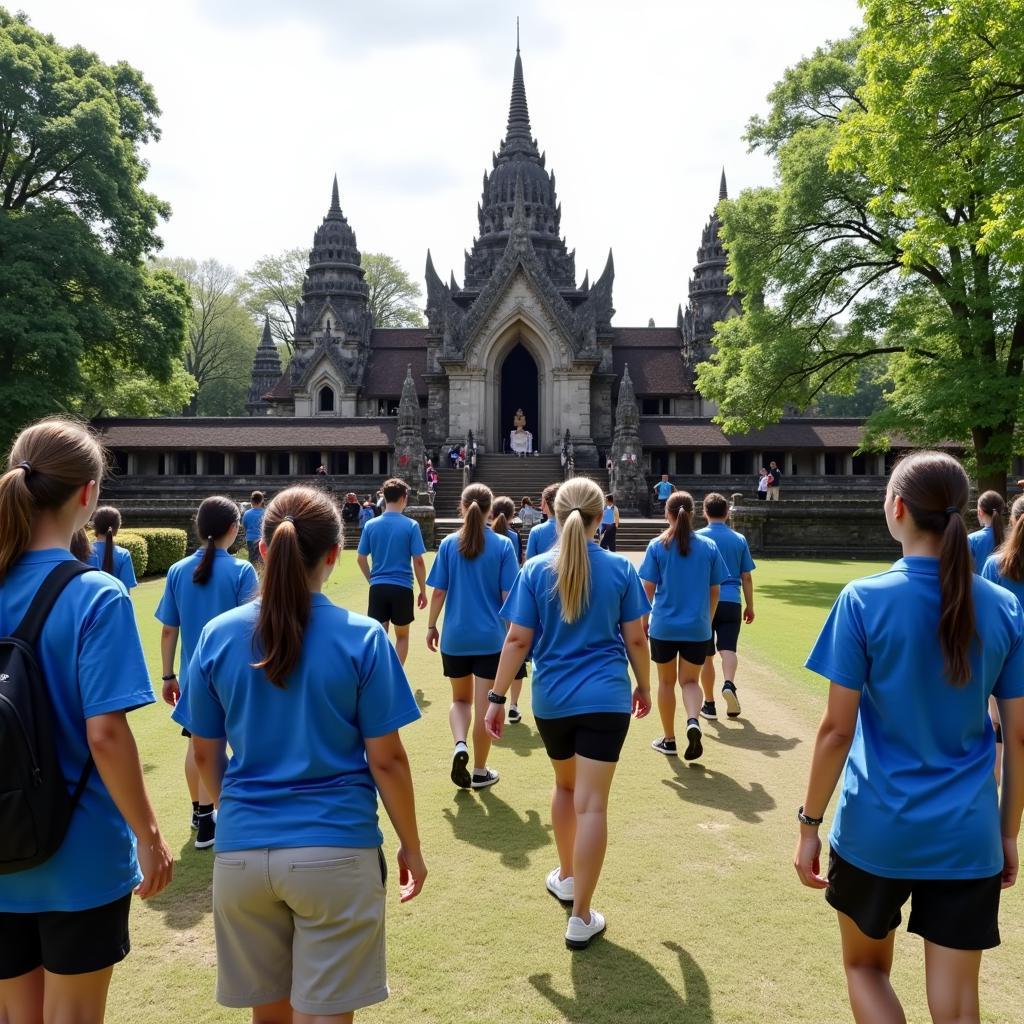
[[326, 399]]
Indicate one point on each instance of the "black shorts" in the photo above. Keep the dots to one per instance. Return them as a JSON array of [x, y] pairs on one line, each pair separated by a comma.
[[598, 735], [65, 941], [959, 913], [693, 651], [391, 603], [456, 666], [725, 627]]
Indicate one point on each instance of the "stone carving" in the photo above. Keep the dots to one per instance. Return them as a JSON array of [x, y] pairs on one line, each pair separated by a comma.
[[626, 475], [410, 454]]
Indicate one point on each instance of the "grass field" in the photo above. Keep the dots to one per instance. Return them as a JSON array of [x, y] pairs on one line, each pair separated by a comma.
[[706, 920]]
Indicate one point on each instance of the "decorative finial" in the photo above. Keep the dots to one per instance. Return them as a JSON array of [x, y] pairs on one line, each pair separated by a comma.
[[335, 201], [517, 33], [723, 191], [518, 111]]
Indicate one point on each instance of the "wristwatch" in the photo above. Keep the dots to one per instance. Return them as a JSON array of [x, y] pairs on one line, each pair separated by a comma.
[[496, 698], [806, 819]]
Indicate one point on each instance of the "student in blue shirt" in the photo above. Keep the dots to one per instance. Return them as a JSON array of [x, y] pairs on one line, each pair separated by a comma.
[[663, 489], [64, 922], [544, 536], [502, 513], [252, 521], [912, 655], [609, 523], [682, 574], [581, 609], [992, 516], [310, 698], [366, 513], [105, 554], [395, 548], [725, 626], [198, 588], [472, 574]]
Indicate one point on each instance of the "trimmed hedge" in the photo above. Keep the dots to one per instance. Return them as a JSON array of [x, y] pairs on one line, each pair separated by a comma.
[[137, 547], [166, 546]]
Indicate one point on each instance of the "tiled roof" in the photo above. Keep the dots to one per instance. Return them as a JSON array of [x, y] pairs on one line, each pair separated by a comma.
[[655, 359], [674, 432], [391, 351]]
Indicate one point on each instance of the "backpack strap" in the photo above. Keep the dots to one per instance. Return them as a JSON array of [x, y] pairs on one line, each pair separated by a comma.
[[46, 596]]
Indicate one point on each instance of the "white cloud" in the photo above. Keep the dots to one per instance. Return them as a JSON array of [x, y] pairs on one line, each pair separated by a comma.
[[638, 107]]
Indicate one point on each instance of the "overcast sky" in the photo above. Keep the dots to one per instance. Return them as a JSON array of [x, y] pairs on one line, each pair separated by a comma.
[[638, 106]]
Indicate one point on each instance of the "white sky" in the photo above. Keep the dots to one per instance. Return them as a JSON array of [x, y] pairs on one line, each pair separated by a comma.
[[638, 106]]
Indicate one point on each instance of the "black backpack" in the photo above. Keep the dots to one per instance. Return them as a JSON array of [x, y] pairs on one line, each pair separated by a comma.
[[35, 805]]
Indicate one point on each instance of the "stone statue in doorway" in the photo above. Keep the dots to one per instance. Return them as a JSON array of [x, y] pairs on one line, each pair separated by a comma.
[[520, 440], [519, 420]]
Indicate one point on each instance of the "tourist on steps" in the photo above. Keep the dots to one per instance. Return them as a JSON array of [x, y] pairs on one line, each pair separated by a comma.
[[581, 610], [663, 490], [543, 537], [912, 655], [472, 574], [609, 523], [104, 553]]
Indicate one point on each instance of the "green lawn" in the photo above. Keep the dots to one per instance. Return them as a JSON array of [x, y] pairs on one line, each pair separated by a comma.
[[706, 921]]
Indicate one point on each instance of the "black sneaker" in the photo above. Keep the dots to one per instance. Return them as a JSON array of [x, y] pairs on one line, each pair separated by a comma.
[[694, 747], [707, 710], [195, 820], [732, 702], [514, 715], [664, 746], [460, 770], [489, 778], [206, 834]]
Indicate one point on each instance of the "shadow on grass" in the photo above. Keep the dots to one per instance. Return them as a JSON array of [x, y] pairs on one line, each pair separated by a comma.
[[612, 985], [739, 732], [422, 702], [699, 785], [521, 739], [491, 824], [189, 898], [807, 593]]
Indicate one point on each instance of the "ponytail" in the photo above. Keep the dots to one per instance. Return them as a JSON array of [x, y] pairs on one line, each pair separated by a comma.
[[215, 518], [578, 506], [16, 507], [80, 546], [680, 510], [302, 524], [108, 551], [993, 505], [107, 521], [503, 510], [1011, 554], [476, 504]]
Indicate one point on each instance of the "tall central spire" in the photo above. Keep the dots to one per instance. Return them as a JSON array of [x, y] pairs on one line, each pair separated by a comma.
[[518, 112]]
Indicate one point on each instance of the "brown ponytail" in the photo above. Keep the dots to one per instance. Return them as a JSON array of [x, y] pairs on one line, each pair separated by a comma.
[[216, 516], [476, 504], [301, 525], [680, 510], [107, 521], [503, 510], [934, 487], [992, 504], [1011, 554], [48, 462]]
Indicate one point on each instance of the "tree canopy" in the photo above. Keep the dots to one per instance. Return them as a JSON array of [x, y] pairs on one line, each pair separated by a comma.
[[273, 288], [894, 231], [394, 297]]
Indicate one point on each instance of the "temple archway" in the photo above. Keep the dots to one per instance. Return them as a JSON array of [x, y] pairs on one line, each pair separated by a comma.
[[519, 388]]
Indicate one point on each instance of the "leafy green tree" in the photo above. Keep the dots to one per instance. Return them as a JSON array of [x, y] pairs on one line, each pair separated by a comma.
[[394, 297], [115, 390], [895, 230], [75, 224], [273, 288]]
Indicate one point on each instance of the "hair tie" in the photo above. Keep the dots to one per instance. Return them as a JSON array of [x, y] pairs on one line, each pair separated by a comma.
[[27, 466], [576, 509], [288, 519], [951, 511]]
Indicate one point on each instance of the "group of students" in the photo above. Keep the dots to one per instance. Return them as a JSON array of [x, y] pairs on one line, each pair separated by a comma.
[[310, 698]]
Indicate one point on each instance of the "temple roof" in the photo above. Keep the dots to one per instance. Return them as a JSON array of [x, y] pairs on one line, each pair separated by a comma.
[[655, 360], [788, 434], [391, 351]]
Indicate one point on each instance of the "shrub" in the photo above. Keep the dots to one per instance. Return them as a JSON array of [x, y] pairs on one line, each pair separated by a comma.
[[137, 547], [166, 546]]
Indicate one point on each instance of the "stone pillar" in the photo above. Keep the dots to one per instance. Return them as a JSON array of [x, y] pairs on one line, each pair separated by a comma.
[[169, 464], [847, 464], [819, 464], [787, 464], [351, 462], [725, 466], [880, 464], [133, 464], [627, 478], [200, 463], [698, 463], [325, 460], [759, 462], [294, 467], [229, 463], [410, 453], [261, 463]]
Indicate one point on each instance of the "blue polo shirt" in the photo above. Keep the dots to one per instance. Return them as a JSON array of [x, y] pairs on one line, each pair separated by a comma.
[[91, 658], [542, 538], [391, 540], [190, 606], [252, 521], [664, 489], [472, 623], [682, 603], [983, 543], [297, 774], [735, 552], [608, 515], [123, 568], [578, 667], [990, 571], [919, 796]]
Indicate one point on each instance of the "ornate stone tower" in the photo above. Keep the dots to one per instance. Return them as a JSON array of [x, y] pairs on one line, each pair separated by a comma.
[[266, 372], [627, 477], [409, 450]]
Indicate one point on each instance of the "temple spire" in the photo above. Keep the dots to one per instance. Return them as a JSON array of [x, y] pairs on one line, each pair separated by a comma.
[[517, 33], [335, 200], [723, 191], [518, 112], [267, 339]]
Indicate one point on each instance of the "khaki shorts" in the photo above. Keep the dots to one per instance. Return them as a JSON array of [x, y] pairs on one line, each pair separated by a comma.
[[304, 924]]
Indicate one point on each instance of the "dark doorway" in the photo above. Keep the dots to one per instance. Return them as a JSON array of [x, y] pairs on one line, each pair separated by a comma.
[[519, 390]]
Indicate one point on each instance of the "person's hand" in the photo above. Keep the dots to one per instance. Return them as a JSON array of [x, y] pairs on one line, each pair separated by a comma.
[[641, 702], [421, 601], [171, 692], [494, 722], [807, 861], [432, 638], [748, 615], [1011, 861], [156, 864], [412, 873]]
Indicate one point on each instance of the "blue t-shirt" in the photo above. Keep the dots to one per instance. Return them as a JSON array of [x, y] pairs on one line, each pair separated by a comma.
[[735, 552], [123, 568], [190, 606], [682, 602], [983, 543], [578, 667], [542, 538], [919, 795], [990, 571], [365, 515], [91, 658], [472, 624], [252, 520], [392, 541], [608, 515], [297, 774], [664, 489]]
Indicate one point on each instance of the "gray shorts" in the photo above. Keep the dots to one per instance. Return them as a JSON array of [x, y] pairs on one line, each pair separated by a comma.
[[304, 924]]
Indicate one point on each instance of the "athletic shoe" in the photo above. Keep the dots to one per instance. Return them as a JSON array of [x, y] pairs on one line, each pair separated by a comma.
[[578, 933], [560, 888], [694, 747], [195, 820], [460, 771], [514, 715], [708, 711], [732, 702], [664, 746], [483, 781], [206, 834]]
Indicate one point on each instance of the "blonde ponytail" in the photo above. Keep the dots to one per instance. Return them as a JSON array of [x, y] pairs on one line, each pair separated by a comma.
[[578, 504]]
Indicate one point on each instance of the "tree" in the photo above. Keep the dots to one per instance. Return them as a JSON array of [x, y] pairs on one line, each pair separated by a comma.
[[113, 390], [394, 296], [273, 288], [895, 230], [75, 224]]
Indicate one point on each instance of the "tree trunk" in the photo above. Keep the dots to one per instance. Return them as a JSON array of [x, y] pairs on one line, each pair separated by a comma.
[[992, 467]]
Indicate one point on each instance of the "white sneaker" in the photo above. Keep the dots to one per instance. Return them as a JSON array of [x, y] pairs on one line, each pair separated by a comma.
[[560, 888], [579, 933]]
